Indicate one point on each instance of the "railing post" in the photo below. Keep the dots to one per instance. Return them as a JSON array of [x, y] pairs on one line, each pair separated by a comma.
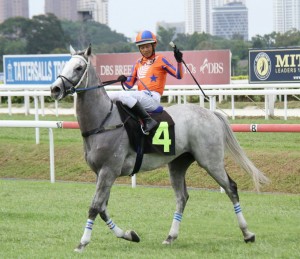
[[9, 105], [212, 103], [37, 130], [285, 107], [232, 107], [133, 181], [51, 147]]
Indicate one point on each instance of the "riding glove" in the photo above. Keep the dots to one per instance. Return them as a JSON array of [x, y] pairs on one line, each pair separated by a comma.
[[122, 78], [178, 55]]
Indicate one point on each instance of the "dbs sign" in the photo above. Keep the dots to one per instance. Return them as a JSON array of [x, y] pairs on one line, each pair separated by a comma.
[[208, 67]]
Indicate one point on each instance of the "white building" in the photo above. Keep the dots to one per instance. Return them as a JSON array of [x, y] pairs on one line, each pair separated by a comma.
[[198, 14], [9, 8], [286, 15], [96, 10]]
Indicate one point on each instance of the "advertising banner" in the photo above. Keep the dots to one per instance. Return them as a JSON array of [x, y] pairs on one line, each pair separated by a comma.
[[33, 69], [207, 66], [274, 66]]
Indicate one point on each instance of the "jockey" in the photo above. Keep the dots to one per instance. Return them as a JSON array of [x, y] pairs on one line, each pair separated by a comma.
[[149, 73]]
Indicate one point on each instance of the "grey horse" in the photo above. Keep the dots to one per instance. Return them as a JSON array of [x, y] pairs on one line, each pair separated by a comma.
[[201, 135]]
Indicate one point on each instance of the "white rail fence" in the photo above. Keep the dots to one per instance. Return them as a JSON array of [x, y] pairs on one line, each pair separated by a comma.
[[181, 92], [74, 125]]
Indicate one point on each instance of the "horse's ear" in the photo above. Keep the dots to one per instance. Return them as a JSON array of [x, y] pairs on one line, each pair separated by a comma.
[[72, 50], [88, 51]]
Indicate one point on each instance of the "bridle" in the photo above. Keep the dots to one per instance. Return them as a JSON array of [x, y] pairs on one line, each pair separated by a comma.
[[85, 75], [75, 85], [75, 89]]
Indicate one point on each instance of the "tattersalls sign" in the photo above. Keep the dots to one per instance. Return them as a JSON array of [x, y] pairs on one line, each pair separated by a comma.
[[274, 65], [33, 69], [207, 66]]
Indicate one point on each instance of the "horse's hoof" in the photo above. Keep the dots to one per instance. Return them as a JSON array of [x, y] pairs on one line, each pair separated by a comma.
[[131, 235], [250, 239], [169, 240], [80, 248]]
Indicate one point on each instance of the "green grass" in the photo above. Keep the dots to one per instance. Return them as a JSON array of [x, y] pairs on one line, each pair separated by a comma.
[[43, 220], [276, 154]]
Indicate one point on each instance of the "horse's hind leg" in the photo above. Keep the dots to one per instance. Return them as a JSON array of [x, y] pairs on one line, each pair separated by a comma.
[[233, 195], [230, 187], [177, 170]]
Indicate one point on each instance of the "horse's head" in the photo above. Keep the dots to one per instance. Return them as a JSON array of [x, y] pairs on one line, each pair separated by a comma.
[[73, 75]]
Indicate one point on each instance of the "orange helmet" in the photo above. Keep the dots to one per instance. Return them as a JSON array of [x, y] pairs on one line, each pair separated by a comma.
[[145, 37]]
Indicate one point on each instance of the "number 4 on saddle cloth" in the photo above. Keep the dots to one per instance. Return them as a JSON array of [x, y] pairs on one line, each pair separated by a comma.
[[161, 139]]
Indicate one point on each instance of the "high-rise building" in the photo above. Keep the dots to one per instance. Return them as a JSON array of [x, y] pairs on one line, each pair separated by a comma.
[[286, 15], [198, 14], [96, 10], [79, 10], [194, 16], [62, 9], [13, 8], [229, 20]]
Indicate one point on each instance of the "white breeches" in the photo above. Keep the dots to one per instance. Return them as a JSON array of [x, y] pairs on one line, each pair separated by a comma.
[[129, 98]]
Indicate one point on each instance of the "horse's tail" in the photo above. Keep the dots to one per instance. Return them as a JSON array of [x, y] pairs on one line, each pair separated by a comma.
[[239, 155]]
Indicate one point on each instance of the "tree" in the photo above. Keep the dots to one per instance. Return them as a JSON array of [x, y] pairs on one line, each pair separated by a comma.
[[288, 39], [45, 35], [13, 37], [266, 41], [81, 34], [164, 37]]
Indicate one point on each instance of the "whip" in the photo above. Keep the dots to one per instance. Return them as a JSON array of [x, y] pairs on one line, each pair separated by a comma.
[[175, 50]]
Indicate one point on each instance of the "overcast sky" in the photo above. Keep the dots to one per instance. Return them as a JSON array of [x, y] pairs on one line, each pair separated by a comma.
[[130, 16]]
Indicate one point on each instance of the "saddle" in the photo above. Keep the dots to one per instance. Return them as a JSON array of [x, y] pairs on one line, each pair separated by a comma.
[[161, 138]]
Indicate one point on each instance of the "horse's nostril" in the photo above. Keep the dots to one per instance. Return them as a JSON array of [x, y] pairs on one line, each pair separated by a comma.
[[55, 89], [56, 92]]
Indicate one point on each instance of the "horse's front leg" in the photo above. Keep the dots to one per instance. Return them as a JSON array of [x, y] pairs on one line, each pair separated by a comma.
[[100, 197], [99, 206], [86, 237], [129, 235]]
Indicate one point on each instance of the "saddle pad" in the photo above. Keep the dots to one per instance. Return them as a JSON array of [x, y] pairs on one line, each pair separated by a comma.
[[160, 140]]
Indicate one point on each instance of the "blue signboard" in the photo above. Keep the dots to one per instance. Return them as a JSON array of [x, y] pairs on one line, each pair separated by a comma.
[[274, 65], [33, 69]]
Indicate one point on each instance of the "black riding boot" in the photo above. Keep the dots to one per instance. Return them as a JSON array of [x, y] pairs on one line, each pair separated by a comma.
[[140, 112]]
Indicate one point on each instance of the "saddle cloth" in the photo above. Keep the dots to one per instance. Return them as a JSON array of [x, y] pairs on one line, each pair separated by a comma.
[[160, 140]]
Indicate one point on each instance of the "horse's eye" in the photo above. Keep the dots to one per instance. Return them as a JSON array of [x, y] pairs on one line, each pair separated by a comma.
[[79, 68]]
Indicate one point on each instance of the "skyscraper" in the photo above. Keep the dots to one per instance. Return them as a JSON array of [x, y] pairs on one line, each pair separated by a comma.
[[198, 14], [194, 16], [13, 8], [96, 9], [286, 15], [62, 9], [79, 10], [229, 20]]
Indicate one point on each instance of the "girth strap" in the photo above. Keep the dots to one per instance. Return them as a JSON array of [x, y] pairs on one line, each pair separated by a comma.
[[101, 128]]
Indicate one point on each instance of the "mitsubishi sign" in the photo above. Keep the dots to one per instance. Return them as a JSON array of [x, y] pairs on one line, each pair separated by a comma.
[[274, 65], [207, 66]]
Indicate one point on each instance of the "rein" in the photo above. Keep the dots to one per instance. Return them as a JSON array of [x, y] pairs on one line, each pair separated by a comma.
[[75, 89], [105, 83]]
